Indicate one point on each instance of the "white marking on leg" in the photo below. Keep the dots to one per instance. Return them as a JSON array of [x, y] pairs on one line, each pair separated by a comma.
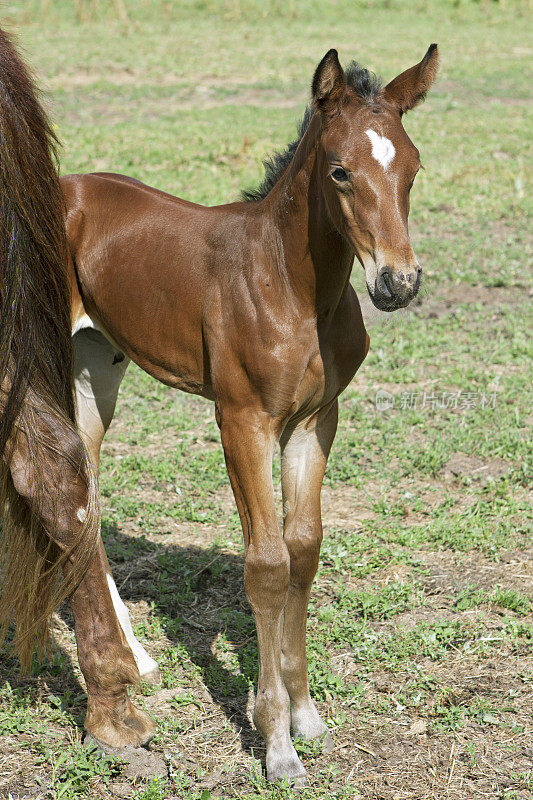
[[145, 663], [295, 462], [383, 149], [82, 323]]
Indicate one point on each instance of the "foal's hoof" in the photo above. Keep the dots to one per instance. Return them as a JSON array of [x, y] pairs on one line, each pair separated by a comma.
[[300, 783], [118, 727], [153, 677], [306, 722], [284, 767], [140, 723]]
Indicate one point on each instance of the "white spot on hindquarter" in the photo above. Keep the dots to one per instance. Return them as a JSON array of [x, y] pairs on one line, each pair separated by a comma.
[[82, 514], [383, 149], [145, 664]]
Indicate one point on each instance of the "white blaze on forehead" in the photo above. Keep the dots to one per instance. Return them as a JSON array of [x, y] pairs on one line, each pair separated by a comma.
[[383, 149], [145, 664]]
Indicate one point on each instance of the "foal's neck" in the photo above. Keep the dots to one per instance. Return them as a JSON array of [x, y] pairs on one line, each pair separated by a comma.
[[317, 259]]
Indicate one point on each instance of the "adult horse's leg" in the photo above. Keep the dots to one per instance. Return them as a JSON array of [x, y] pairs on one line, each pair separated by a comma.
[[104, 634], [248, 442], [305, 452]]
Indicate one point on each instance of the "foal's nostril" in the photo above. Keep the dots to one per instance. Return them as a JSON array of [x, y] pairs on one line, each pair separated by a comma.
[[386, 279]]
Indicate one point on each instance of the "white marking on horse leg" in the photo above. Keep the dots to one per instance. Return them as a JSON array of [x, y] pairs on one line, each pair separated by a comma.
[[82, 323], [294, 466], [383, 149], [145, 663]]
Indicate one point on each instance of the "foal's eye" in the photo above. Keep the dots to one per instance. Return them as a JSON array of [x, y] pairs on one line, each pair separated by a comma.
[[339, 175]]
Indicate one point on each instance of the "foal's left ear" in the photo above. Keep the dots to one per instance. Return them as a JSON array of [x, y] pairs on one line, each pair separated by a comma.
[[329, 83], [409, 88]]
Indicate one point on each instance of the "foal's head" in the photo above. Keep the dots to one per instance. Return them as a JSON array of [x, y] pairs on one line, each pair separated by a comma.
[[368, 165]]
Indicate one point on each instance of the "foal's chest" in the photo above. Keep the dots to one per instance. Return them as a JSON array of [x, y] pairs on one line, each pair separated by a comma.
[[339, 351]]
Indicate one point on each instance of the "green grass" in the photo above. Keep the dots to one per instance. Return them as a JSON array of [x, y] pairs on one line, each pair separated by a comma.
[[422, 607]]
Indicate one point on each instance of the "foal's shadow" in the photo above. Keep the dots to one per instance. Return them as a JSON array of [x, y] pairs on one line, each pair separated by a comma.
[[199, 593]]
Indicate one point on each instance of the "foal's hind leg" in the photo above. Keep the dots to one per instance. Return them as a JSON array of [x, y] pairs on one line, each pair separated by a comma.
[[107, 662], [99, 368], [103, 637], [98, 371], [304, 455], [58, 495]]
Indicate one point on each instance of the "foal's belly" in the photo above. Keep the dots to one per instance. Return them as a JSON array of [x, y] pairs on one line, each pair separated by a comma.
[[161, 340], [152, 350]]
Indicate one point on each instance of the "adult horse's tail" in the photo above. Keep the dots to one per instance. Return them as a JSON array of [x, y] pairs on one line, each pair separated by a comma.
[[36, 396]]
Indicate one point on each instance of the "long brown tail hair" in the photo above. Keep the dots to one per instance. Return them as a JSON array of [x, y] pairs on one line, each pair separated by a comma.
[[35, 364]]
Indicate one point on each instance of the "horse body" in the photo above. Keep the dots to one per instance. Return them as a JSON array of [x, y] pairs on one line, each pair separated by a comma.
[[212, 301], [250, 305]]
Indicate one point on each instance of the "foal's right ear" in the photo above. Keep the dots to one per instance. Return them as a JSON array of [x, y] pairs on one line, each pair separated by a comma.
[[409, 88], [329, 83]]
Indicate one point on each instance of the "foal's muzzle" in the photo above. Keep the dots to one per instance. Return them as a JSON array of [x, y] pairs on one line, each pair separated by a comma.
[[395, 287]]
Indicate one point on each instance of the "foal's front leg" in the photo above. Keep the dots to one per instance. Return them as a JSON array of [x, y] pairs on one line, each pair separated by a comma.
[[305, 451], [248, 442]]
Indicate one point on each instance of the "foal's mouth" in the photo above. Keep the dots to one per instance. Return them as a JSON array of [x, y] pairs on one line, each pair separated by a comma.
[[395, 288], [387, 301]]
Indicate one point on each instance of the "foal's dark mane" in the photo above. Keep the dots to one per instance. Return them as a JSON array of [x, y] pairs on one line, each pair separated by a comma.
[[364, 83]]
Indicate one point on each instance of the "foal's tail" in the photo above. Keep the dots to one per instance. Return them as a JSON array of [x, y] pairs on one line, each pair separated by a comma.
[[35, 365]]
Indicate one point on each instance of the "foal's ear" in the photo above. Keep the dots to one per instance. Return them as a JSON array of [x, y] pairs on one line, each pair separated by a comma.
[[329, 83], [409, 88]]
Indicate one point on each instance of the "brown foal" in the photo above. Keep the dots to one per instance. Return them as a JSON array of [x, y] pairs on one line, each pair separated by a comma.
[[250, 305]]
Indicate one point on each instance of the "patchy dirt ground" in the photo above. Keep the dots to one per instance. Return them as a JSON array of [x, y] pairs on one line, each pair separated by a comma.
[[454, 722]]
